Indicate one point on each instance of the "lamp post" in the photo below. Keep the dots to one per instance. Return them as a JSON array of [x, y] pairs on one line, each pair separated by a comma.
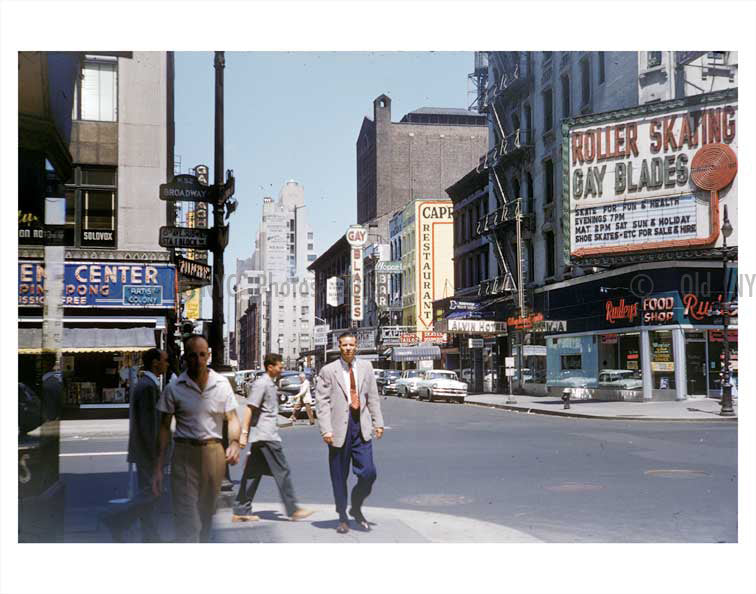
[[726, 401]]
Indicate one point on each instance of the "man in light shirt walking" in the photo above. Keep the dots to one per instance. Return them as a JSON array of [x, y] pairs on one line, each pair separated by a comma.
[[199, 399], [266, 456]]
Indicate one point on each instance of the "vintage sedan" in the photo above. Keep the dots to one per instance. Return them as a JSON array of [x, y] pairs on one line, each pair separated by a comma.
[[387, 382], [438, 384], [406, 384]]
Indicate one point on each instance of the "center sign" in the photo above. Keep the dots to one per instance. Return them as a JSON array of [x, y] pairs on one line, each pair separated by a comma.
[[435, 253], [654, 177]]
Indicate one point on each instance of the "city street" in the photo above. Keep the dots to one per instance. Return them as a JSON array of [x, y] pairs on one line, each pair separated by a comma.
[[554, 479]]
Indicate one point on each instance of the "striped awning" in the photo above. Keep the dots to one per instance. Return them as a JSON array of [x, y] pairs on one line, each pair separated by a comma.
[[420, 352], [90, 340]]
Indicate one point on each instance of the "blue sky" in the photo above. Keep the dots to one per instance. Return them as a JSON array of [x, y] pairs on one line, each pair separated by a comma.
[[296, 115]]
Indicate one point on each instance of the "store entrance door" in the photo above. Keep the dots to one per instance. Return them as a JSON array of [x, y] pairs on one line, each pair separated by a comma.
[[695, 351]]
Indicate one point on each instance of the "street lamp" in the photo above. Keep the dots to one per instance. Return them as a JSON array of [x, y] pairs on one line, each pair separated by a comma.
[[726, 401]]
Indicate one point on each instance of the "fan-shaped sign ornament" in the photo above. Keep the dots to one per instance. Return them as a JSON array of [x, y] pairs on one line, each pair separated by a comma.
[[714, 167]]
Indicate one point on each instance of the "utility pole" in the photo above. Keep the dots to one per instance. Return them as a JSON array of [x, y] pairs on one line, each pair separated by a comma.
[[221, 231]]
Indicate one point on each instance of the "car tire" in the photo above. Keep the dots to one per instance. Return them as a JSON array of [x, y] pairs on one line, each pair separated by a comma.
[[430, 396]]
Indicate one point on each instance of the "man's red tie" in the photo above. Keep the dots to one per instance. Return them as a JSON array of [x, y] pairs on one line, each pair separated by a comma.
[[355, 404]]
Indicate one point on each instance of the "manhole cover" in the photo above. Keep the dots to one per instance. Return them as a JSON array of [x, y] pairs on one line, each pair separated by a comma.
[[436, 500], [676, 473], [574, 487]]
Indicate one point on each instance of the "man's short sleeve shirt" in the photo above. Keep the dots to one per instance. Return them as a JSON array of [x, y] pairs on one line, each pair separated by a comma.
[[264, 397], [199, 413]]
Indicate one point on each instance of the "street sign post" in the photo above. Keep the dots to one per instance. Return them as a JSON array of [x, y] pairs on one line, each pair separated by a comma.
[[185, 237], [320, 334], [186, 188]]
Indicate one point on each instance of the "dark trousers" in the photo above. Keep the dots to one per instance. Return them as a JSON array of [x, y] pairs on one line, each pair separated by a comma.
[[360, 453], [265, 458], [142, 507]]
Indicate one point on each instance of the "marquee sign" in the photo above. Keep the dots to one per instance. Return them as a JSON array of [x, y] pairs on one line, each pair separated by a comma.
[[102, 284], [651, 178], [357, 236], [435, 251]]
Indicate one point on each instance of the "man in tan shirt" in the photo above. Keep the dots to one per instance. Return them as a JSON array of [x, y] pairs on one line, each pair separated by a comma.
[[199, 399]]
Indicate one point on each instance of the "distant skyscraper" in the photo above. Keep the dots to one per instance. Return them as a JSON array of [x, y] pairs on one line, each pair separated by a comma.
[[278, 279]]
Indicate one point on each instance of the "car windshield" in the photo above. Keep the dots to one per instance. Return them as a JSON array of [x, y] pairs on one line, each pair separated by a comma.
[[393, 374], [449, 375], [413, 374]]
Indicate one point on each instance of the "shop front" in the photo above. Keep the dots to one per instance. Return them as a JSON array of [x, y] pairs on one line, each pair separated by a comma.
[[113, 312], [664, 343], [477, 343]]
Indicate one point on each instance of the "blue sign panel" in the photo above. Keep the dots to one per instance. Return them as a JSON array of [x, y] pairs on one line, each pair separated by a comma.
[[102, 284]]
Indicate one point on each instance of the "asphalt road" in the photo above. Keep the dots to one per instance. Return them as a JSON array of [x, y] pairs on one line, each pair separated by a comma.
[[558, 479]]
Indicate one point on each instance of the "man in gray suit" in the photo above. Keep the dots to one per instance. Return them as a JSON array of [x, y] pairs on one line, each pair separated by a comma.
[[349, 411], [143, 450]]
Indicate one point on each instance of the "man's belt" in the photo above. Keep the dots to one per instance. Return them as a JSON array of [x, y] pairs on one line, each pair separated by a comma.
[[196, 442]]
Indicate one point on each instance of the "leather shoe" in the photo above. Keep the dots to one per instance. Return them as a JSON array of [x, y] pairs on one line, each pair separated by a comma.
[[244, 518], [301, 514], [342, 528], [360, 519]]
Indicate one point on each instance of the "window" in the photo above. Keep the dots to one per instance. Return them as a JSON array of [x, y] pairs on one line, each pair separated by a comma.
[[311, 258], [547, 57], [548, 110], [310, 246], [91, 205], [571, 362], [305, 310], [585, 82], [310, 235], [96, 92], [654, 59], [548, 181], [602, 67], [565, 96], [550, 264]]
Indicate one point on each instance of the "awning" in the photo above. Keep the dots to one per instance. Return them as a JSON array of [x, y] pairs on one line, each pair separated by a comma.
[[421, 352], [90, 340], [368, 356]]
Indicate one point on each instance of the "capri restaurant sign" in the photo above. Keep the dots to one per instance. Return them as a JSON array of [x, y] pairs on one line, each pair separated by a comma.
[[654, 177]]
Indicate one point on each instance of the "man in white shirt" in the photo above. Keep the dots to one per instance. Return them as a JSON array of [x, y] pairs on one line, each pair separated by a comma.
[[303, 397], [199, 399]]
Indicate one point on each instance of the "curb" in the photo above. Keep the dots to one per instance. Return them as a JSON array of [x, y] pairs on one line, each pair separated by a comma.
[[556, 413]]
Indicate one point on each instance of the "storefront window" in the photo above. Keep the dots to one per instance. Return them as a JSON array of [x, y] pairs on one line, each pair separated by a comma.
[[619, 356], [716, 359], [662, 360]]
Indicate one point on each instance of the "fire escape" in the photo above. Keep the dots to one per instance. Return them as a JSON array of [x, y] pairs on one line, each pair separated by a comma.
[[511, 223]]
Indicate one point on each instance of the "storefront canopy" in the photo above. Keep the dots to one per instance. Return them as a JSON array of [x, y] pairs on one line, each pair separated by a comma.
[[421, 352], [90, 340]]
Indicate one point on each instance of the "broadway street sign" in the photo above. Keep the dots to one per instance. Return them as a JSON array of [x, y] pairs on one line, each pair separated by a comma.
[[187, 188], [185, 237]]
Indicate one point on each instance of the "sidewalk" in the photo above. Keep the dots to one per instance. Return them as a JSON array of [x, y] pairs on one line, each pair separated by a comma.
[[389, 526], [703, 409]]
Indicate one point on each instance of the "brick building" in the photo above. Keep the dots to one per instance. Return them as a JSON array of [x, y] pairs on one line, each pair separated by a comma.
[[416, 158]]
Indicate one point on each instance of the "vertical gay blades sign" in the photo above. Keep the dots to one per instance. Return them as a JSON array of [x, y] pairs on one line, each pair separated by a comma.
[[356, 235]]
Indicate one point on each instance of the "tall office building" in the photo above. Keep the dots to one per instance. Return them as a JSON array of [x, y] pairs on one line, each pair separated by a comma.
[[279, 284]]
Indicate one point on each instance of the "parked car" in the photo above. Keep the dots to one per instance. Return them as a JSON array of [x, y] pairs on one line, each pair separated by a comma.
[[231, 377], [387, 381], [406, 385], [623, 379], [439, 383]]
